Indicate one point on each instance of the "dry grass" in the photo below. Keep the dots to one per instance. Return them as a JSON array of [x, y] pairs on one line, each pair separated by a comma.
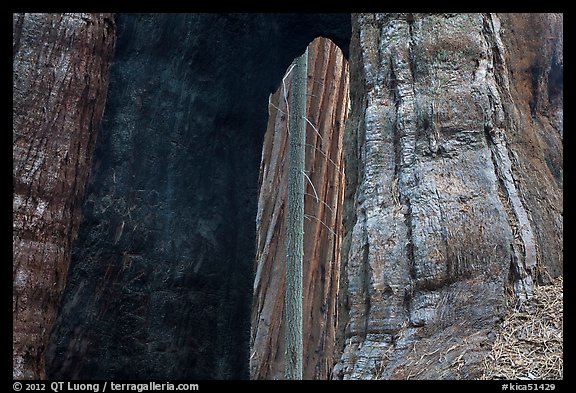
[[529, 343]]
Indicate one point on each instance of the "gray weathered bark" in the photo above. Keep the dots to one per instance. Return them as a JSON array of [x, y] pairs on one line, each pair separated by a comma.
[[60, 82], [295, 224], [445, 155]]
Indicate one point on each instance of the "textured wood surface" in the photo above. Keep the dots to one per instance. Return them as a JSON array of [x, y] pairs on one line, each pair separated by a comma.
[[327, 109], [448, 151], [60, 83]]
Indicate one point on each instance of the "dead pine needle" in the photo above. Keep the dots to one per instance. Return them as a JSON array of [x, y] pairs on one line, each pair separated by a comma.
[[529, 341]]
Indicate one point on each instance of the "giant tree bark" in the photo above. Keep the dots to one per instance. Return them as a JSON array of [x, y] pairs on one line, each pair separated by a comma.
[[60, 82], [327, 109], [161, 276], [295, 220], [454, 170], [454, 191]]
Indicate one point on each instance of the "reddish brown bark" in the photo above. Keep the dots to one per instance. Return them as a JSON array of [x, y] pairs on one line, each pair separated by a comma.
[[327, 110], [60, 80]]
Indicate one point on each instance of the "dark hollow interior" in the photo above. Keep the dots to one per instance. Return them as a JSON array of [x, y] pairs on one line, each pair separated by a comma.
[[160, 281]]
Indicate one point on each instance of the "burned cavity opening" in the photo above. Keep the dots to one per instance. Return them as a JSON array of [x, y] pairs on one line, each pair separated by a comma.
[[161, 276], [327, 107]]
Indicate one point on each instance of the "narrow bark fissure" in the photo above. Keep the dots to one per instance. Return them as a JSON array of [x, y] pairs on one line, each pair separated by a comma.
[[404, 139], [502, 194], [411, 61], [495, 48], [364, 262], [400, 197], [393, 87], [444, 235], [522, 279], [408, 215], [366, 287]]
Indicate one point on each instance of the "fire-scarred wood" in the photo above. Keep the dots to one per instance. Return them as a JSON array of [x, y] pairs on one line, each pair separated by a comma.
[[161, 276]]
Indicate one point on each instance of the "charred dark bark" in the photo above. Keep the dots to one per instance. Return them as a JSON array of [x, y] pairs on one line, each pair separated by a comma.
[[160, 283]]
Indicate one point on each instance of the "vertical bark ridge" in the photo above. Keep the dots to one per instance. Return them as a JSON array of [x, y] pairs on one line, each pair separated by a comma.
[[498, 122]]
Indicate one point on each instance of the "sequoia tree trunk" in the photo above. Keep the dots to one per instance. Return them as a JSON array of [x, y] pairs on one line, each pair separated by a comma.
[[60, 80], [326, 110], [454, 186], [453, 198]]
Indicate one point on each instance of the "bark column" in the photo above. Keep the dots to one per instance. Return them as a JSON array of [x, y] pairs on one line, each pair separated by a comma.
[[446, 152], [295, 226], [326, 110], [60, 80]]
